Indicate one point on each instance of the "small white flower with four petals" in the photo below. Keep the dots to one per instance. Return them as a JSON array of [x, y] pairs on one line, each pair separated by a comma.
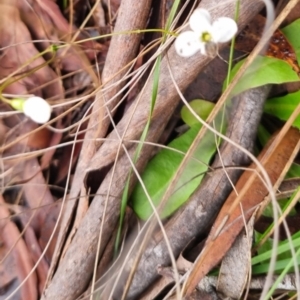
[[204, 33]]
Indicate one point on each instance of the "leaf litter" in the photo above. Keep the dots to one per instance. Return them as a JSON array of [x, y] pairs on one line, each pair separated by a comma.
[[37, 161]]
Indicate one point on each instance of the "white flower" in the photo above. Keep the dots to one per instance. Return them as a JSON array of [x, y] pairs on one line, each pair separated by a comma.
[[204, 33], [37, 109]]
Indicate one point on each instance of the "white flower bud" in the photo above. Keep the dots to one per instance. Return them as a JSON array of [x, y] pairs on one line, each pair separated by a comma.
[[37, 109]]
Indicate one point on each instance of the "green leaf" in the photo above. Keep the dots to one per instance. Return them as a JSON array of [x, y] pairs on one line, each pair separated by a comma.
[[261, 262], [294, 171], [162, 167], [264, 70], [201, 107], [291, 33], [283, 107], [263, 135], [279, 266]]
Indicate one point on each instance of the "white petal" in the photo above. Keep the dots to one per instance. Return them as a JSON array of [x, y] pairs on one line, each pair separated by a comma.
[[187, 44], [37, 109], [223, 30], [203, 49], [200, 21]]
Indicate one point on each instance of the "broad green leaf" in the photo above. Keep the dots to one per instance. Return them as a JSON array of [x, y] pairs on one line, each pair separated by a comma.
[[162, 167], [291, 32], [201, 107], [264, 70], [283, 107]]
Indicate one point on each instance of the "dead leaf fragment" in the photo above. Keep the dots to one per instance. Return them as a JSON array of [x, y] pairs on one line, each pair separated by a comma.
[[234, 271]]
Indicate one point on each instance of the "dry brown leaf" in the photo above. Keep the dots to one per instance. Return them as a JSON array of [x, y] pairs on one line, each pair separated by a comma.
[[251, 192], [18, 51], [47, 230], [46, 23], [35, 252], [18, 262]]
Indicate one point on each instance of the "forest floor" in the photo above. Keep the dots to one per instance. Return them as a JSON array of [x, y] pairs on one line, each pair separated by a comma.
[[139, 173]]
